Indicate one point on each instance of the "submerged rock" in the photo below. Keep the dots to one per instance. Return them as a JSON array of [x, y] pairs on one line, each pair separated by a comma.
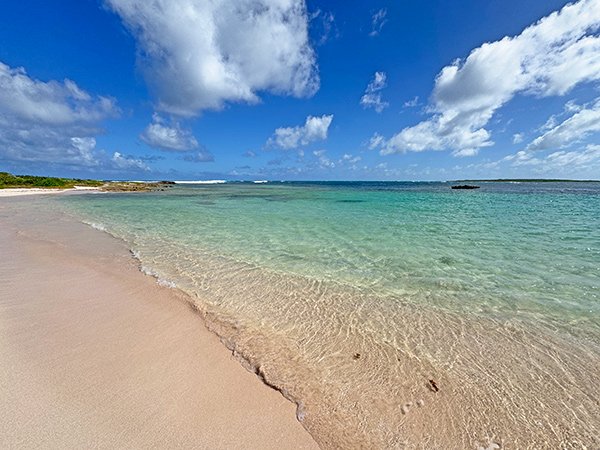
[[465, 186]]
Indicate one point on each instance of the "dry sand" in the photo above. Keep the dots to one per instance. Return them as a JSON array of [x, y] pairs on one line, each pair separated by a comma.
[[17, 192], [94, 354]]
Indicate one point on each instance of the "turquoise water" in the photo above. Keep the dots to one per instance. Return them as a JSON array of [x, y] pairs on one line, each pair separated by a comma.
[[507, 248], [422, 278]]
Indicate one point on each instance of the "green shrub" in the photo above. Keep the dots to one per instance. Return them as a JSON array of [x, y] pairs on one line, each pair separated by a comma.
[[8, 180]]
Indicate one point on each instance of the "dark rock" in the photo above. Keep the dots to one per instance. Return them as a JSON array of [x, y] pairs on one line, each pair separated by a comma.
[[465, 186]]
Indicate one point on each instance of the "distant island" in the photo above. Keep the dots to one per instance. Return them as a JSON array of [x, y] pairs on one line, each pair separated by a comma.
[[526, 180]]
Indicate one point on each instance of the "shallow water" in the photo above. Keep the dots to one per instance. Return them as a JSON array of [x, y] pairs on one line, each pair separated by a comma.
[[350, 297]]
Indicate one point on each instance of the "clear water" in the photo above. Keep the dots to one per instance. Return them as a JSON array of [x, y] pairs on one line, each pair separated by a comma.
[[528, 248], [415, 275]]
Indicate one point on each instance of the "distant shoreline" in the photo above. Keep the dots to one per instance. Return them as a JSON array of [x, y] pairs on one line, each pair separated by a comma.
[[53, 184], [526, 180]]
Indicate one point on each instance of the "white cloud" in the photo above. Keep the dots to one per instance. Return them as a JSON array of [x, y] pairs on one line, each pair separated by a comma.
[[165, 137], [378, 20], [548, 58], [376, 141], [52, 103], [198, 54], [85, 147], [572, 130], [571, 106], [465, 152], [50, 122], [128, 163], [523, 158], [314, 129], [585, 160], [324, 21], [412, 103], [560, 162], [324, 161], [350, 158], [581, 158], [372, 96], [550, 123], [518, 138], [436, 135]]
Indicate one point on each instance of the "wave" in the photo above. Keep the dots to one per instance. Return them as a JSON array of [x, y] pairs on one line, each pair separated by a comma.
[[201, 182], [136, 255], [96, 226], [159, 280]]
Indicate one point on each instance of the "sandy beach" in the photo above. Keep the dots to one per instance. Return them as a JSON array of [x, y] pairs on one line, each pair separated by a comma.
[[18, 192], [94, 354]]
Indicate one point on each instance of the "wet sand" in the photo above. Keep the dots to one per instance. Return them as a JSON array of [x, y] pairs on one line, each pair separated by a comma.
[[94, 354]]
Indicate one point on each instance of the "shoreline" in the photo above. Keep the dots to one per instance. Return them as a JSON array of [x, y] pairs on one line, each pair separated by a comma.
[[17, 192], [94, 351]]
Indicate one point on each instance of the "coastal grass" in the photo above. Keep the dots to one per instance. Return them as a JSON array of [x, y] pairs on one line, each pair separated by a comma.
[[8, 180]]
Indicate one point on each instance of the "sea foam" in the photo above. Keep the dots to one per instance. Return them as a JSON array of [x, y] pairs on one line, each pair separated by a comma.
[[159, 280], [96, 226], [201, 182]]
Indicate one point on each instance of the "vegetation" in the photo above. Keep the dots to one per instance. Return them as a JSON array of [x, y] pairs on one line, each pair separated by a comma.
[[8, 180]]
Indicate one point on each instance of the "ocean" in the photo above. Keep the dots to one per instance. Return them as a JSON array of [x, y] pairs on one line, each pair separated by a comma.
[[394, 314]]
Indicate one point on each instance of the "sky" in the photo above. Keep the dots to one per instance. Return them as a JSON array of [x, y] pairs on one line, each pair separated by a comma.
[[300, 90]]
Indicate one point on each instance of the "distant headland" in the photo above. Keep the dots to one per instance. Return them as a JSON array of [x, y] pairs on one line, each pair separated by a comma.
[[9, 181], [526, 180]]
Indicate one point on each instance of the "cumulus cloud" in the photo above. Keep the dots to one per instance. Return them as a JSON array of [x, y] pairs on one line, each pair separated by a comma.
[[548, 58], [168, 137], [581, 158], [518, 138], [53, 103], [563, 161], [50, 122], [198, 54], [378, 20], [128, 163], [314, 129], [546, 154], [350, 159], [372, 96], [572, 130], [522, 158], [323, 160]]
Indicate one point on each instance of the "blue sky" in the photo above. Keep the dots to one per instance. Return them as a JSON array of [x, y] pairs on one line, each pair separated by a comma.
[[286, 89]]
